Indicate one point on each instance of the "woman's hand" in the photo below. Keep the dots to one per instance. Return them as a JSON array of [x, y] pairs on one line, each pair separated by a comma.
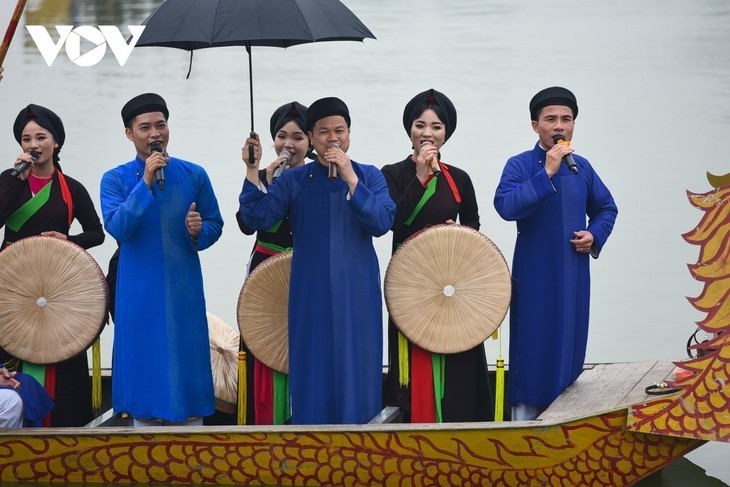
[[24, 158], [245, 153], [426, 158]]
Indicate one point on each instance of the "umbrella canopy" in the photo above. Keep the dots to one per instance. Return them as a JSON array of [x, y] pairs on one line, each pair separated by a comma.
[[198, 24]]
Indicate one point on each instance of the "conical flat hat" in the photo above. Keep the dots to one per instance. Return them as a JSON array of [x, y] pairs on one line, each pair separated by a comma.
[[447, 288], [224, 343], [263, 311], [53, 299]]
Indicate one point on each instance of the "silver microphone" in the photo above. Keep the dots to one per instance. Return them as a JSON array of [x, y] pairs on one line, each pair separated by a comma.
[[17, 171], [280, 169], [332, 167], [434, 167]]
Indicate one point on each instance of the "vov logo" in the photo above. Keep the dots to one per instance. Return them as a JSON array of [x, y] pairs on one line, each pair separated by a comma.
[[70, 36]]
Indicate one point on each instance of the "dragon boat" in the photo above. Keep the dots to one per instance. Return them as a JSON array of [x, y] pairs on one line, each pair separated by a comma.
[[605, 429]]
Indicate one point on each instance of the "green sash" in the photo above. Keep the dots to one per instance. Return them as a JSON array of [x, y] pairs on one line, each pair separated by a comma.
[[16, 221], [281, 397], [430, 190]]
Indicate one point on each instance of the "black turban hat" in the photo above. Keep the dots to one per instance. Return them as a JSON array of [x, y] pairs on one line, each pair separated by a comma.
[[326, 107], [435, 100], [292, 111], [555, 95], [43, 117], [144, 103]]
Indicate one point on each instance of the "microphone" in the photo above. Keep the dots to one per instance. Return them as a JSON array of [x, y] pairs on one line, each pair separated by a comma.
[[559, 138], [287, 157], [434, 167], [159, 172], [332, 167], [17, 171]]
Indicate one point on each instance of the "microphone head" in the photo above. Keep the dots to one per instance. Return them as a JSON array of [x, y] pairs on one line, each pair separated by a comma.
[[557, 138], [156, 147], [33, 155], [425, 142], [286, 155]]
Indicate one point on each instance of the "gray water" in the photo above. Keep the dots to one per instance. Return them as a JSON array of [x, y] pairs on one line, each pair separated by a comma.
[[652, 80]]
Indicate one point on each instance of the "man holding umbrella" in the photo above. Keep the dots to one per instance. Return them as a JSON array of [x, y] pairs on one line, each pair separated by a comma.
[[335, 206], [162, 211]]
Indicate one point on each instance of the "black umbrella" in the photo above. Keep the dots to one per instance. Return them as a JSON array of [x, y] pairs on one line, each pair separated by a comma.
[[197, 24]]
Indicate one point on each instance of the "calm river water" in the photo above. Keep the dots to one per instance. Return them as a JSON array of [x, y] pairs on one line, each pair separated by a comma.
[[652, 80]]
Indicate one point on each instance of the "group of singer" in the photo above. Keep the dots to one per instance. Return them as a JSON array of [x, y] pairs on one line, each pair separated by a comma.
[[313, 198]]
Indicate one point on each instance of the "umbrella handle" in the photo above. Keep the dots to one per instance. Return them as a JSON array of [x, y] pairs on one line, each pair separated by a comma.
[[251, 159], [10, 32]]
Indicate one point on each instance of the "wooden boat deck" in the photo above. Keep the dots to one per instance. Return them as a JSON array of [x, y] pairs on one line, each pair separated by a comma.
[[607, 387]]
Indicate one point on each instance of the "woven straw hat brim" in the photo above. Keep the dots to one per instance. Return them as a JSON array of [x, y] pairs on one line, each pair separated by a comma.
[[263, 311], [447, 288], [224, 343], [53, 299]]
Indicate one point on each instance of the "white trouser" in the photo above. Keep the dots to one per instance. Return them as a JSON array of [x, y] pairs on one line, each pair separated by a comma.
[[11, 409], [523, 412], [143, 423]]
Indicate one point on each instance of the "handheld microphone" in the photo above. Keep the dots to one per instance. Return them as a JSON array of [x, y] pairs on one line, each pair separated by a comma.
[[159, 172], [332, 167], [17, 171], [559, 138], [287, 158], [434, 167]]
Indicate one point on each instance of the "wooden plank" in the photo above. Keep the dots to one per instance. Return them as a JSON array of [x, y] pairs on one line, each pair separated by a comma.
[[661, 371], [606, 387], [613, 395], [570, 403]]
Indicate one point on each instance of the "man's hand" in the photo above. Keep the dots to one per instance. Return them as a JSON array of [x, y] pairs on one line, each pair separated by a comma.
[[583, 241], [193, 222], [155, 161]]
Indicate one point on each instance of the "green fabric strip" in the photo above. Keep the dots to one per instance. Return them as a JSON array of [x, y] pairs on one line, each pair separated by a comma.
[[16, 221], [273, 247], [438, 363], [273, 228], [281, 397], [38, 371], [430, 190]]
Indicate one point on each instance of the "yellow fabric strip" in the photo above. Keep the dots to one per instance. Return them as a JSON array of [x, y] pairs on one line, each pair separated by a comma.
[[403, 369], [499, 396], [96, 374]]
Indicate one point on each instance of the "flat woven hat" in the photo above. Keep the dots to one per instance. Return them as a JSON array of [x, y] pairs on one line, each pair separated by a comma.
[[224, 342], [447, 288], [53, 299], [263, 311]]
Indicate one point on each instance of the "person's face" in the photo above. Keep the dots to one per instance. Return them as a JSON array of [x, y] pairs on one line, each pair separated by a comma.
[[554, 119], [292, 138], [146, 129], [330, 130], [36, 138], [428, 127]]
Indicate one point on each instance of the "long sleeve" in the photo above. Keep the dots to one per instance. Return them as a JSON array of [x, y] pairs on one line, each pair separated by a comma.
[[372, 202], [85, 213], [122, 210], [521, 193], [207, 206]]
